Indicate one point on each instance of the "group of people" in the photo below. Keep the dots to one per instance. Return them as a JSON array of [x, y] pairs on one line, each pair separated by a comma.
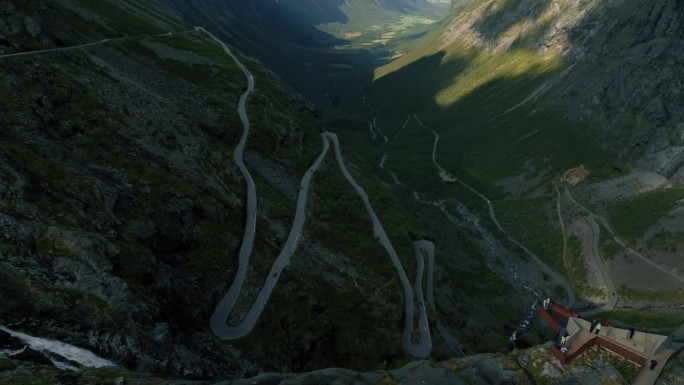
[[595, 327], [547, 303]]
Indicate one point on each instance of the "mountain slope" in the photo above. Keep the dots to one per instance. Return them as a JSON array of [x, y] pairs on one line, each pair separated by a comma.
[[612, 63], [531, 366], [123, 208], [522, 91], [122, 212]]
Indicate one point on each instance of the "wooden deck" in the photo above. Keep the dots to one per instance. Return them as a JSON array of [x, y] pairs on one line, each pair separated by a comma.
[[641, 349]]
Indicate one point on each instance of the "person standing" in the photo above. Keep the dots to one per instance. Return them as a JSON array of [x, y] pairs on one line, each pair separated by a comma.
[[598, 328], [631, 331], [653, 364]]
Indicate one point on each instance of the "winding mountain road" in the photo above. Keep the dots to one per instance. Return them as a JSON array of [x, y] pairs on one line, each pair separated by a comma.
[[424, 248], [619, 241], [423, 348], [99, 42], [570, 294], [218, 322], [610, 286]]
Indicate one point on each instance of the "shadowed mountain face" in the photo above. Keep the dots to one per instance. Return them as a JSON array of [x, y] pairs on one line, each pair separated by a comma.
[[286, 36], [301, 13]]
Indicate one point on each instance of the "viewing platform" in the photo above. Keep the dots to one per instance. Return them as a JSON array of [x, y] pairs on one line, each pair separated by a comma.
[[641, 349]]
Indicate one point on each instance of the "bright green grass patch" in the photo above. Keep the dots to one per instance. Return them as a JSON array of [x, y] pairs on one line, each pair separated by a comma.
[[655, 320], [632, 217], [474, 101], [668, 296], [486, 67], [366, 15]]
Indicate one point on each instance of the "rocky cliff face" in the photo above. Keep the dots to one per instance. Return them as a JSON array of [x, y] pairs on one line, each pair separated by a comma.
[[523, 367], [621, 65], [122, 210]]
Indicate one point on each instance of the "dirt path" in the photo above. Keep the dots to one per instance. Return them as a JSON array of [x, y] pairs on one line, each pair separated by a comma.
[[99, 42]]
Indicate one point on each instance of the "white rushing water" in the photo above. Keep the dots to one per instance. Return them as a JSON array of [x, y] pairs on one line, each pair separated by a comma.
[[69, 353], [383, 159]]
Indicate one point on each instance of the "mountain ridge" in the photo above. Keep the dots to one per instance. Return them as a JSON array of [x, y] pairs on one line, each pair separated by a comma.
[[600, 45]]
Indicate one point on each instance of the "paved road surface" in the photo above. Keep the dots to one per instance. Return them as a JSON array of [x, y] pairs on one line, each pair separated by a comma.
[[423, 348], [426, 248], [622, 243], [610, 286], [218, 320]]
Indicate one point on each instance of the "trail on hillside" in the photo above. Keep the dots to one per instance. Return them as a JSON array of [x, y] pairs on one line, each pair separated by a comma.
[[99, 42], [610, 286], [447, 177]]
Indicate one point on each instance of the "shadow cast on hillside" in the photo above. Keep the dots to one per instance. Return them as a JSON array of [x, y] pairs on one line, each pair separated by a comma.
[[494, 128], [485, 135]]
